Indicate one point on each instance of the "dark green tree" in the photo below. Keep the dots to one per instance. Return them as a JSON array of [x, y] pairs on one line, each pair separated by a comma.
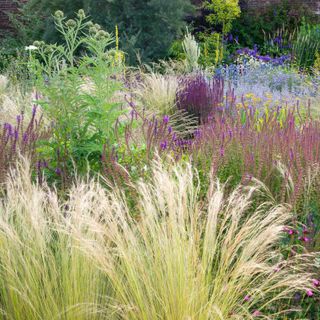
[[147, 28]]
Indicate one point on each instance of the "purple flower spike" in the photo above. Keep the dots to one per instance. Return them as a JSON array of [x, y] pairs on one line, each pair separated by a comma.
[[163, 145], [166, 119]]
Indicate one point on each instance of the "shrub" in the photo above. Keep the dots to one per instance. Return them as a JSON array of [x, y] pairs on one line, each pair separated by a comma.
[[224, 12], [160, 21], [250, 29]]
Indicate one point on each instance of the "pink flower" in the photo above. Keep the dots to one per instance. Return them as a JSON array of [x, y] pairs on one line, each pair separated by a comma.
[[247, 298], [289, 230], [256, 313], [309, 293], [316, 282], [304, 239]]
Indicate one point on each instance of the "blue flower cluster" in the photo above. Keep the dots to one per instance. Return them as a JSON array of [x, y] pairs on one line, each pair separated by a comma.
[[254, 53]]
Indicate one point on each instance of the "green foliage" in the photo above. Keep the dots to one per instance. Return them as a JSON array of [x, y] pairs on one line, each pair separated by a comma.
[[176, 50], [316, 66], [146, 29], [253, 28], [212, 49], [307, 45], [79, 92], [223, 13]]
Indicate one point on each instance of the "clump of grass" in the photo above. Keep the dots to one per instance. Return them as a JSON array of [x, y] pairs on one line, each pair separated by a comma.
[[43, 274], [3, 84], [13, 101], [183, 258], [157, 93], [180, 257]]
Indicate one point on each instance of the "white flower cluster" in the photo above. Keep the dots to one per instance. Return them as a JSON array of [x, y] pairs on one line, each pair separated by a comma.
[[31, 48]]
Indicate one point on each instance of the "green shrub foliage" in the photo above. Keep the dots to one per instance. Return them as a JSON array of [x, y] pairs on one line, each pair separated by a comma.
[[147, 28]]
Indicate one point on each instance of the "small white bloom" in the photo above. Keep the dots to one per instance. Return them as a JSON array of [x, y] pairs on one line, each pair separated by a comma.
[[31, 47]]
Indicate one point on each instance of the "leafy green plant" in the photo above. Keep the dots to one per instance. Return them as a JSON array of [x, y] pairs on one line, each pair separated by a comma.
[[79, 84], [212, 52], [223, 12], [306, 45], [316, 66]]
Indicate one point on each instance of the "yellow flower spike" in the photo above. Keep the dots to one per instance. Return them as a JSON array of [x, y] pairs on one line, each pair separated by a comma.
[[117, 38]]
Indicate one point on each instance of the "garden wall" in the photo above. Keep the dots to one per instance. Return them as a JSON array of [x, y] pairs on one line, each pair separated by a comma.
[[5, 7]]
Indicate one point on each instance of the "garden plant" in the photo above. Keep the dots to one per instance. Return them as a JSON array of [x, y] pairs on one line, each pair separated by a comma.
[[139, 181]]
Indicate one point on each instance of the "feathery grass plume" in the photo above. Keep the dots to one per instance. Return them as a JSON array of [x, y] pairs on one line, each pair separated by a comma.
[[3, 84], [184, 258], [192, 52], [13, 101], [157, 93], [43, 275]]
